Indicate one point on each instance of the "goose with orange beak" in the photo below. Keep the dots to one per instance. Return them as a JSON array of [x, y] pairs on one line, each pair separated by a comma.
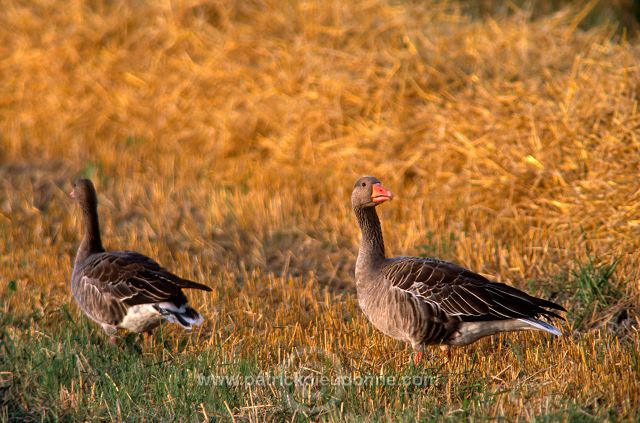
[[426, 301]]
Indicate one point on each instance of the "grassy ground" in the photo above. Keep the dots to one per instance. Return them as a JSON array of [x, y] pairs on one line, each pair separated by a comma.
[[224, 139]]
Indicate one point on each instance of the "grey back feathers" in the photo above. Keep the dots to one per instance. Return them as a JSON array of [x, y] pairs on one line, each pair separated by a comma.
[[426, 301]]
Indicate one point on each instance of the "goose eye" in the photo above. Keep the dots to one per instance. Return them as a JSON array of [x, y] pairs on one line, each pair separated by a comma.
[[364, 184]]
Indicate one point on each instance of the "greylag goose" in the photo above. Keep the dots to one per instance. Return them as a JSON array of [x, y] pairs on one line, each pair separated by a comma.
[[425, 301], [124, 289]]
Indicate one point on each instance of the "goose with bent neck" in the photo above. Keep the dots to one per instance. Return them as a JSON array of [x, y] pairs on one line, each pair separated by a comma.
[[426, 301], [124, 289]]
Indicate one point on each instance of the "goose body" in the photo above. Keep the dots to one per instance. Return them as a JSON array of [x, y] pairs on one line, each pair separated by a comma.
[[425, 301], [124, 289]]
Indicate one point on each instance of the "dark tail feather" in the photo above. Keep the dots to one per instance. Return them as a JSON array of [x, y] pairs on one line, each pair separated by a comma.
[[548, 314], [186, 283], [549, 304]]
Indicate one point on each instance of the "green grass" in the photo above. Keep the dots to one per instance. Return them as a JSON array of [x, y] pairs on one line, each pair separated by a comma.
[[70, 373], [593, 289]]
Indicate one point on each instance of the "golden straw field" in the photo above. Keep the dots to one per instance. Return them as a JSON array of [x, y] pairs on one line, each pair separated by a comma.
[[224, 139]]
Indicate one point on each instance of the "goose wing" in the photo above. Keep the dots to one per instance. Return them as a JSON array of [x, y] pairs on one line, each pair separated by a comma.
[[131, 278], [461, 293]]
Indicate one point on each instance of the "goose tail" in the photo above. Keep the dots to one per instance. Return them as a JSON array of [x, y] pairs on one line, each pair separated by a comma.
[[543, 326], [184, 315]]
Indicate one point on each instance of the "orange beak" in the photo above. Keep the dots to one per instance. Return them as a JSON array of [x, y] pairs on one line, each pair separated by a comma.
[[380, 194]]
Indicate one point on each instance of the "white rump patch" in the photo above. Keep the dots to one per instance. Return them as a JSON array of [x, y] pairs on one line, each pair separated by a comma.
[[195, 322], [141, 318], [172, 307]]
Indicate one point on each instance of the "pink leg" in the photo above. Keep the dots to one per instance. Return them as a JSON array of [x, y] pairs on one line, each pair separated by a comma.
[[148, 337], [417, 357], [111, 332]]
